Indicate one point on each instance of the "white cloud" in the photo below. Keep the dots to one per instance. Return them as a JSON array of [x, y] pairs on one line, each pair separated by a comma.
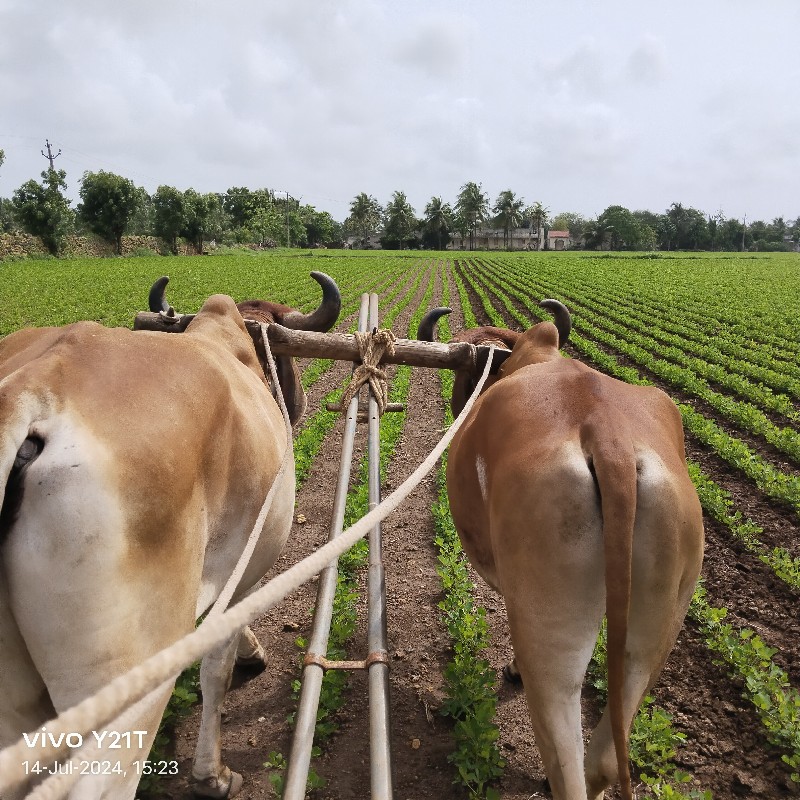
[[580, 105]]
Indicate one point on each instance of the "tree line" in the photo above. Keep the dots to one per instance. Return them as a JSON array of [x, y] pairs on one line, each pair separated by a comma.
[[617, 228], [112, 206]]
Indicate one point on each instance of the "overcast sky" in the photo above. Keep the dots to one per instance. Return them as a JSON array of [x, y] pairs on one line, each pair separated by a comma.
[[579, 104]]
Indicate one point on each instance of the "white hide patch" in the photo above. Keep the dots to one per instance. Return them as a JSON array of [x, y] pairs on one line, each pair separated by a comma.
[[480, 468]]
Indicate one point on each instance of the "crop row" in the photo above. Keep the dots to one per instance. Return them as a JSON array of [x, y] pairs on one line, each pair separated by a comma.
[[469, 679], [742, 297], [677, 326]]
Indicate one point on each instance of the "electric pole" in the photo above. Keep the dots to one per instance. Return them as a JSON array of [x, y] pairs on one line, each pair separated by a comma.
[[744, 230], [288, 243], [49, 155]]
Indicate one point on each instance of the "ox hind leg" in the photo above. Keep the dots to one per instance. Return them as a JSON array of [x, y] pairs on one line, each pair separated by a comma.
[[24, 701], [549, 558], [667, 555], [211, 777]]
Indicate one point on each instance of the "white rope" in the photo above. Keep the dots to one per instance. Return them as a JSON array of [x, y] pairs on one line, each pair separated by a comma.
[[95, 711], [372, 346], [288, 456]]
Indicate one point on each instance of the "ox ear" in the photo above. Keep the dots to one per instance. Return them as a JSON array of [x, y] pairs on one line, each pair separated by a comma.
[[562, 319], [291, 387]]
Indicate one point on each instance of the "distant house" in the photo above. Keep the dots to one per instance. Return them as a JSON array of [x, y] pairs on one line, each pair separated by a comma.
[[559, 240], [494, 239]]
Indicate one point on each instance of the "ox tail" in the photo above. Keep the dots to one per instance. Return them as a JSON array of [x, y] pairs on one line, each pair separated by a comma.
[[614, 465], [20, 444]]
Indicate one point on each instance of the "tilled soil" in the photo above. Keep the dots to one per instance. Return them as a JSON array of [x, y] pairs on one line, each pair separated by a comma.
[[725, 750]]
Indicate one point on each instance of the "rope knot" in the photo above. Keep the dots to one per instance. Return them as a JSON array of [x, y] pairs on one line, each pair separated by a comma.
[[372, 346]]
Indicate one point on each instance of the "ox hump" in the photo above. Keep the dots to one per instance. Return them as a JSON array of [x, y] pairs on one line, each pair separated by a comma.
[[537, 345]]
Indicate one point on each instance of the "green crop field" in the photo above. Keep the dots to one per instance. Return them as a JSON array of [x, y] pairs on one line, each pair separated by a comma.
[[717, 332]]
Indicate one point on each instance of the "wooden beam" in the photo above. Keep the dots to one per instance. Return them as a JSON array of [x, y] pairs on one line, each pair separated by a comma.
[[341, 346]]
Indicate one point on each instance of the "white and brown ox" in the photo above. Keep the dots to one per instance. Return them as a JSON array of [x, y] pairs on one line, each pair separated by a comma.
[[133, 466], [570, 493]]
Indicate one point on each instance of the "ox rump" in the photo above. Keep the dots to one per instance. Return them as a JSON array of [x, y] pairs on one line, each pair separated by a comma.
[[134, 466], [571, 496]]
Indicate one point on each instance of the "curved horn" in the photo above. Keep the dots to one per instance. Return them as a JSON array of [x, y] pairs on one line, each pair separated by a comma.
[[324, 318], [156, 301], [563, 320], [427, 327]]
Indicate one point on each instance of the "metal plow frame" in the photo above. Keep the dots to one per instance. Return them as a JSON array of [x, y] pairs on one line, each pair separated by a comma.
[[307, 344]]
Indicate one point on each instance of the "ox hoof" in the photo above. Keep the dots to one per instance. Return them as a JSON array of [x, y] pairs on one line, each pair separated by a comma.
[[218, 787], [254, 664], [511, 674]]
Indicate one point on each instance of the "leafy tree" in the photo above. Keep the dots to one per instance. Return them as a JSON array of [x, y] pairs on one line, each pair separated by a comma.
[[596, 233], [143, 220], [509, 210], [438, 223], [2, 157], [201, 217], [321, 227], [569, 221], [714, 229], [108, 205], [623, 230], [690, 226], [538, 215], [794, 231], [365, 216], [169, 215], [43, 211], [472, 208], [239, 203], [7, 221], [267, 225], [399, 222], [680, 223], [730, 234]]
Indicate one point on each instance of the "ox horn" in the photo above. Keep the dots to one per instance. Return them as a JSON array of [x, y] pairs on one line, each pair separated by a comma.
[[324, 318], [562, 321], [156, 300], [427, 326]]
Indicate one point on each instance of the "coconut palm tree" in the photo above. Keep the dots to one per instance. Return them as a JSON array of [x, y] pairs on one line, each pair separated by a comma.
[[365, 216], [399, 219], [538, 215], [472, 206], [438, 218], [509, 211]]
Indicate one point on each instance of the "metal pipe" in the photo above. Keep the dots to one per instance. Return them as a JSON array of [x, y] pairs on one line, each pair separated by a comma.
[[378, 681], [305, 721]]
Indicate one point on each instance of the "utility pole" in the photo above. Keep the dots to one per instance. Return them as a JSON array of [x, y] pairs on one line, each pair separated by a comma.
[[288, 243], [744, 229], [49, 155]]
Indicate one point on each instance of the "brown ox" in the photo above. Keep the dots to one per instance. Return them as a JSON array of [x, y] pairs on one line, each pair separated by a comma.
[[570, 493], [128, 497]]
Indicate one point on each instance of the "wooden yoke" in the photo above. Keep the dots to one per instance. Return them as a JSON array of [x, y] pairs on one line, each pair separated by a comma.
[[342, 346]]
